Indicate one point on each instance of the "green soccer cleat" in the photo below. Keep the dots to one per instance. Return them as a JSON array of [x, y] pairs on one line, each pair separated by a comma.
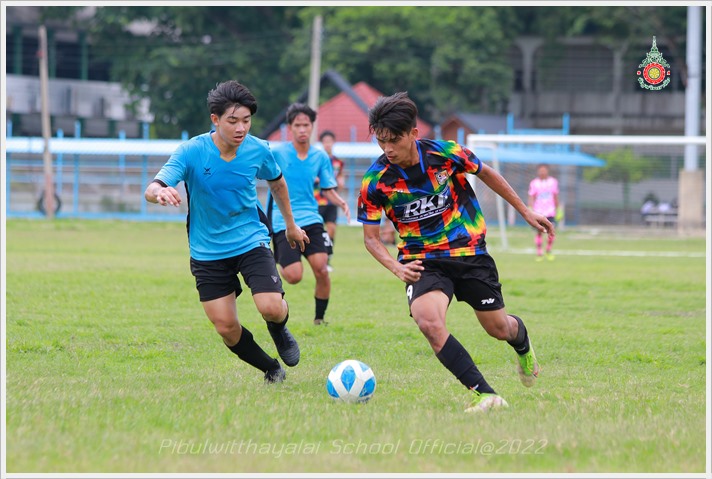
[[550, 257], [528, 367], [483, 402]]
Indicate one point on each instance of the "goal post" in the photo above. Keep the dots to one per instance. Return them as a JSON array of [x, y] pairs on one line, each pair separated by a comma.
[[511, 150]]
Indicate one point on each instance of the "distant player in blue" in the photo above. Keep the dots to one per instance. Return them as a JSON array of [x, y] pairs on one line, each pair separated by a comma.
[[226, 231], [302, 164]]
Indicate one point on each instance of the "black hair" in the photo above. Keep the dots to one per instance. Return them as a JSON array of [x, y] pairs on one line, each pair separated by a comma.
[[297, 108], [327, 133], [230, 93], [396, 114]]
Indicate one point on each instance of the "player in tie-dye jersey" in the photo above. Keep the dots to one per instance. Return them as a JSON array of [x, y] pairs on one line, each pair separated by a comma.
[[422, 187], [544, 199]]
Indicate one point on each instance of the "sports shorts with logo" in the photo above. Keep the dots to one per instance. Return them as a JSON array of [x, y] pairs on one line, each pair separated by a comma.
[[472, 279], [218, 278], [319, 242]]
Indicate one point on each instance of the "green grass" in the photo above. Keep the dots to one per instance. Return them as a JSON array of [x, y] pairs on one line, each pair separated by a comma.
[[112, 365]]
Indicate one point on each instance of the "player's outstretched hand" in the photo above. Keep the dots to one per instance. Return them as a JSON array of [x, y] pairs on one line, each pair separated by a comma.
[[168, 196], [347, 212], [296, 236], [409, 272], [540, 222]]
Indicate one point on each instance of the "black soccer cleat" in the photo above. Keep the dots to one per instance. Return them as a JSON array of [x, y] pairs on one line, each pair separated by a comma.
[[287, 346], [275, 376]]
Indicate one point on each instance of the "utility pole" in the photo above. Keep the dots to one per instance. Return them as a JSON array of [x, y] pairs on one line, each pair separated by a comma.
[[315, 71], [46, 128]]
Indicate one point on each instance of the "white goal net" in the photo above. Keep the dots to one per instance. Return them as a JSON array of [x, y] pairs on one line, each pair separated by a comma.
[[603, 180]]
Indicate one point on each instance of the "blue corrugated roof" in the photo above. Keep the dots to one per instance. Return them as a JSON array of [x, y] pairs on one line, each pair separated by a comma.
[[536, 155], [555, 155]]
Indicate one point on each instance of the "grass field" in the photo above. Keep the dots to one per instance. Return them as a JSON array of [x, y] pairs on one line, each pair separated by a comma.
[[112, 365]]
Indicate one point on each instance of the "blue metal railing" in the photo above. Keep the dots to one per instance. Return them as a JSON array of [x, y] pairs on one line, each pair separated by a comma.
[[105, 177]]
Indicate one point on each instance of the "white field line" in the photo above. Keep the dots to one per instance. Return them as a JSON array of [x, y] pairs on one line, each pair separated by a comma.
[[588, 252]]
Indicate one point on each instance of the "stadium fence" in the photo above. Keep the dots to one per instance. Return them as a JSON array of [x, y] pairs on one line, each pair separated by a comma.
[[105, 178]]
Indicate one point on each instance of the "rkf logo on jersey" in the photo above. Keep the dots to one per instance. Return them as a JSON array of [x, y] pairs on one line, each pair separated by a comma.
[[654, 71], [426, 207]]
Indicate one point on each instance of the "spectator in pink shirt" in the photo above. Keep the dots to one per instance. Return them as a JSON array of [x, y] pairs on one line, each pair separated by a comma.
[[544, 199]]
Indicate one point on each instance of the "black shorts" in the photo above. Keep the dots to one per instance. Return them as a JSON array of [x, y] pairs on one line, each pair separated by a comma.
[[319, 242], [218, 278], [472, 279], [329, 212]]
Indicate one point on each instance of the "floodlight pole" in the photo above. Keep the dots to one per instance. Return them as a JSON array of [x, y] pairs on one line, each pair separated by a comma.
[[315, 71], [46, 127], [691, 189], [692, 90]]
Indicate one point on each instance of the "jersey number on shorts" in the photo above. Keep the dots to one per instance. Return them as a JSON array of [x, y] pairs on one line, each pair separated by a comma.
[[327, 239]]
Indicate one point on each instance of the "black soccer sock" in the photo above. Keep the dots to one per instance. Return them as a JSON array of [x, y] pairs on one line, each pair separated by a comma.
[[250, 352], [455, 357], [277, 326], [321, 305], [521, 342]]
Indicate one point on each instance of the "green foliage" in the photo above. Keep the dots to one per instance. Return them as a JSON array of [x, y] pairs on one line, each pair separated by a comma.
[[447, 57], [610, 25], [621, 165], [63, 13], [185, 51], [112, 364]]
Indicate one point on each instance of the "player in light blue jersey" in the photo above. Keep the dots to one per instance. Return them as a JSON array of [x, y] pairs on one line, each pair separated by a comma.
[[227, 233], [302, 164]]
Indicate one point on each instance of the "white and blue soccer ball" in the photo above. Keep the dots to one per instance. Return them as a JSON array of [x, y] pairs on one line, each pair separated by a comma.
[[351, 381]]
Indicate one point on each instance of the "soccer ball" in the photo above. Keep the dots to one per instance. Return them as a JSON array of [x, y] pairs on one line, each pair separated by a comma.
[[351, 381]]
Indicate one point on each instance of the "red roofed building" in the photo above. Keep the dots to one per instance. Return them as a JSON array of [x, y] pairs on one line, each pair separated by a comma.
[[347, 118]]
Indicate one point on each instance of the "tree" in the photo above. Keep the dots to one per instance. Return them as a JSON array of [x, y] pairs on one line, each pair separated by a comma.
[[612, 27], [447, 58], [174, 56]]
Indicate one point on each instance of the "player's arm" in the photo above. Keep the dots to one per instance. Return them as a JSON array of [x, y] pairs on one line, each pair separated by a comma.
[[530, 200], [294, 234], [158, 192], [336, 199], [340, 177], [408, 273], [499, 185], [171, 173], [556, 200]]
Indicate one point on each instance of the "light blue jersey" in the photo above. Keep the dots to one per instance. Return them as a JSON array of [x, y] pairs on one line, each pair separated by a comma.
[[223, 220], [300, 176]]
